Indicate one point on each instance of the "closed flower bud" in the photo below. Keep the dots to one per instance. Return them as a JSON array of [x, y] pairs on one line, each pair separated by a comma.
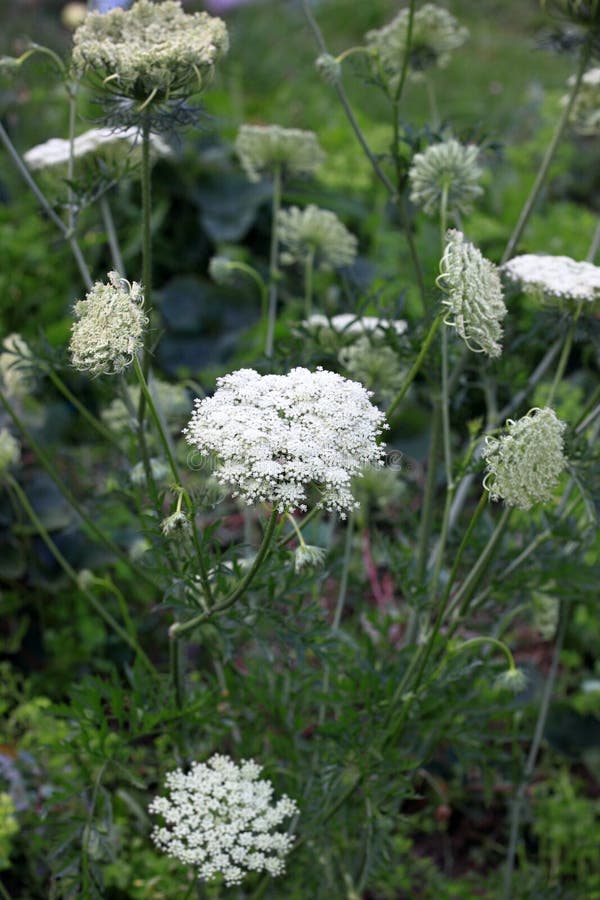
[[475, 301], [525, 464], [307, 556], [448, 168], [329, 68], [264, 148], [110, 327], [178, 523], [513, 680]]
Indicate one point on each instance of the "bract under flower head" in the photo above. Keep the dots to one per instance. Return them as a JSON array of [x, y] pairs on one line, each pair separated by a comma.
[[525, 464], [435, 34], [110, 327], [475, 301], [221, 818], [152, 53], [265, 148], [276, 435], [554, 278], [449, 167], [317, 232]]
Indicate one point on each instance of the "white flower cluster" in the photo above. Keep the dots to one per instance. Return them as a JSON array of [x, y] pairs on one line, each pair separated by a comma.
[[264, 148], [10, 451], [525, 464], [554, 277], [112, 144], [17, 371], [315, 232], [585, 112], [110, 327], [449, 167], [275, 435], [220, 818], [348, 323], [153, 50], [475, 301], [435, 34]]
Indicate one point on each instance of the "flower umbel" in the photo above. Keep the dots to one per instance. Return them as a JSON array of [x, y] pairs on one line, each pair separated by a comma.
[[435, 34], [220, 818], [263, 148], [475, 301], [110, 327], [318, 232], [116, 147], [525, 464], [554, 278], [448, 167], [151, 54], [276, 435]]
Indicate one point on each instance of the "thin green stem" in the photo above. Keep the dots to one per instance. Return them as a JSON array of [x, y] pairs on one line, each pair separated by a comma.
[[549, 155], [540, 726], [70, 571], [177, 674], [146, 258], [4, 893], [54, 218], [433, 107], [426, 522], [72, 95], [414, 369], [595, 245], [273, 263], [47, 465], [471, 583], [309, 265], [180, 628], [96, 423], [164, 439], [406, 55], [566, 352], [111, 234], [298, 528]]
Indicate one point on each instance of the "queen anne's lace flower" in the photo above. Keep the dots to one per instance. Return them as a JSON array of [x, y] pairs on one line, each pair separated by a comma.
[[151, 53], [435, 34], [316, 232], [585, 112], [554, 277], [350, 324], [264, 148], [220, 818], [112, 145], [448, 166], [475, 301], [10, 451], [17, 371], [525, 464], [275, 435], [110, 328]]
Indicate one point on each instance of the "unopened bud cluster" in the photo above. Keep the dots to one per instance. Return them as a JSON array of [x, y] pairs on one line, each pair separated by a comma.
[[524, 464], [262, 149], [445, 172], [110, 327], [475, 301], [317, 233]]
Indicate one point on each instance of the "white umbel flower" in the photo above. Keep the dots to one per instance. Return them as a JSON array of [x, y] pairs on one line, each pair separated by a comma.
[[315, 232], [435, 34], [351, 324], [221, 819], [475, 301], [275, 435], [110, 327], [111, 144], [448, 166], [525, 464], [153, 52], [264, 148], [554, 277], [585, 112]]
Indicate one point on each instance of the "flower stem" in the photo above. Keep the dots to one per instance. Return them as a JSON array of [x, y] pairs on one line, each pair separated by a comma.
[[273, 263], [123, 633], [180, 628], [549, 155], [81, 409], [146, 257], [111, 234], [415, 368], [308, 283], [540, 726]]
